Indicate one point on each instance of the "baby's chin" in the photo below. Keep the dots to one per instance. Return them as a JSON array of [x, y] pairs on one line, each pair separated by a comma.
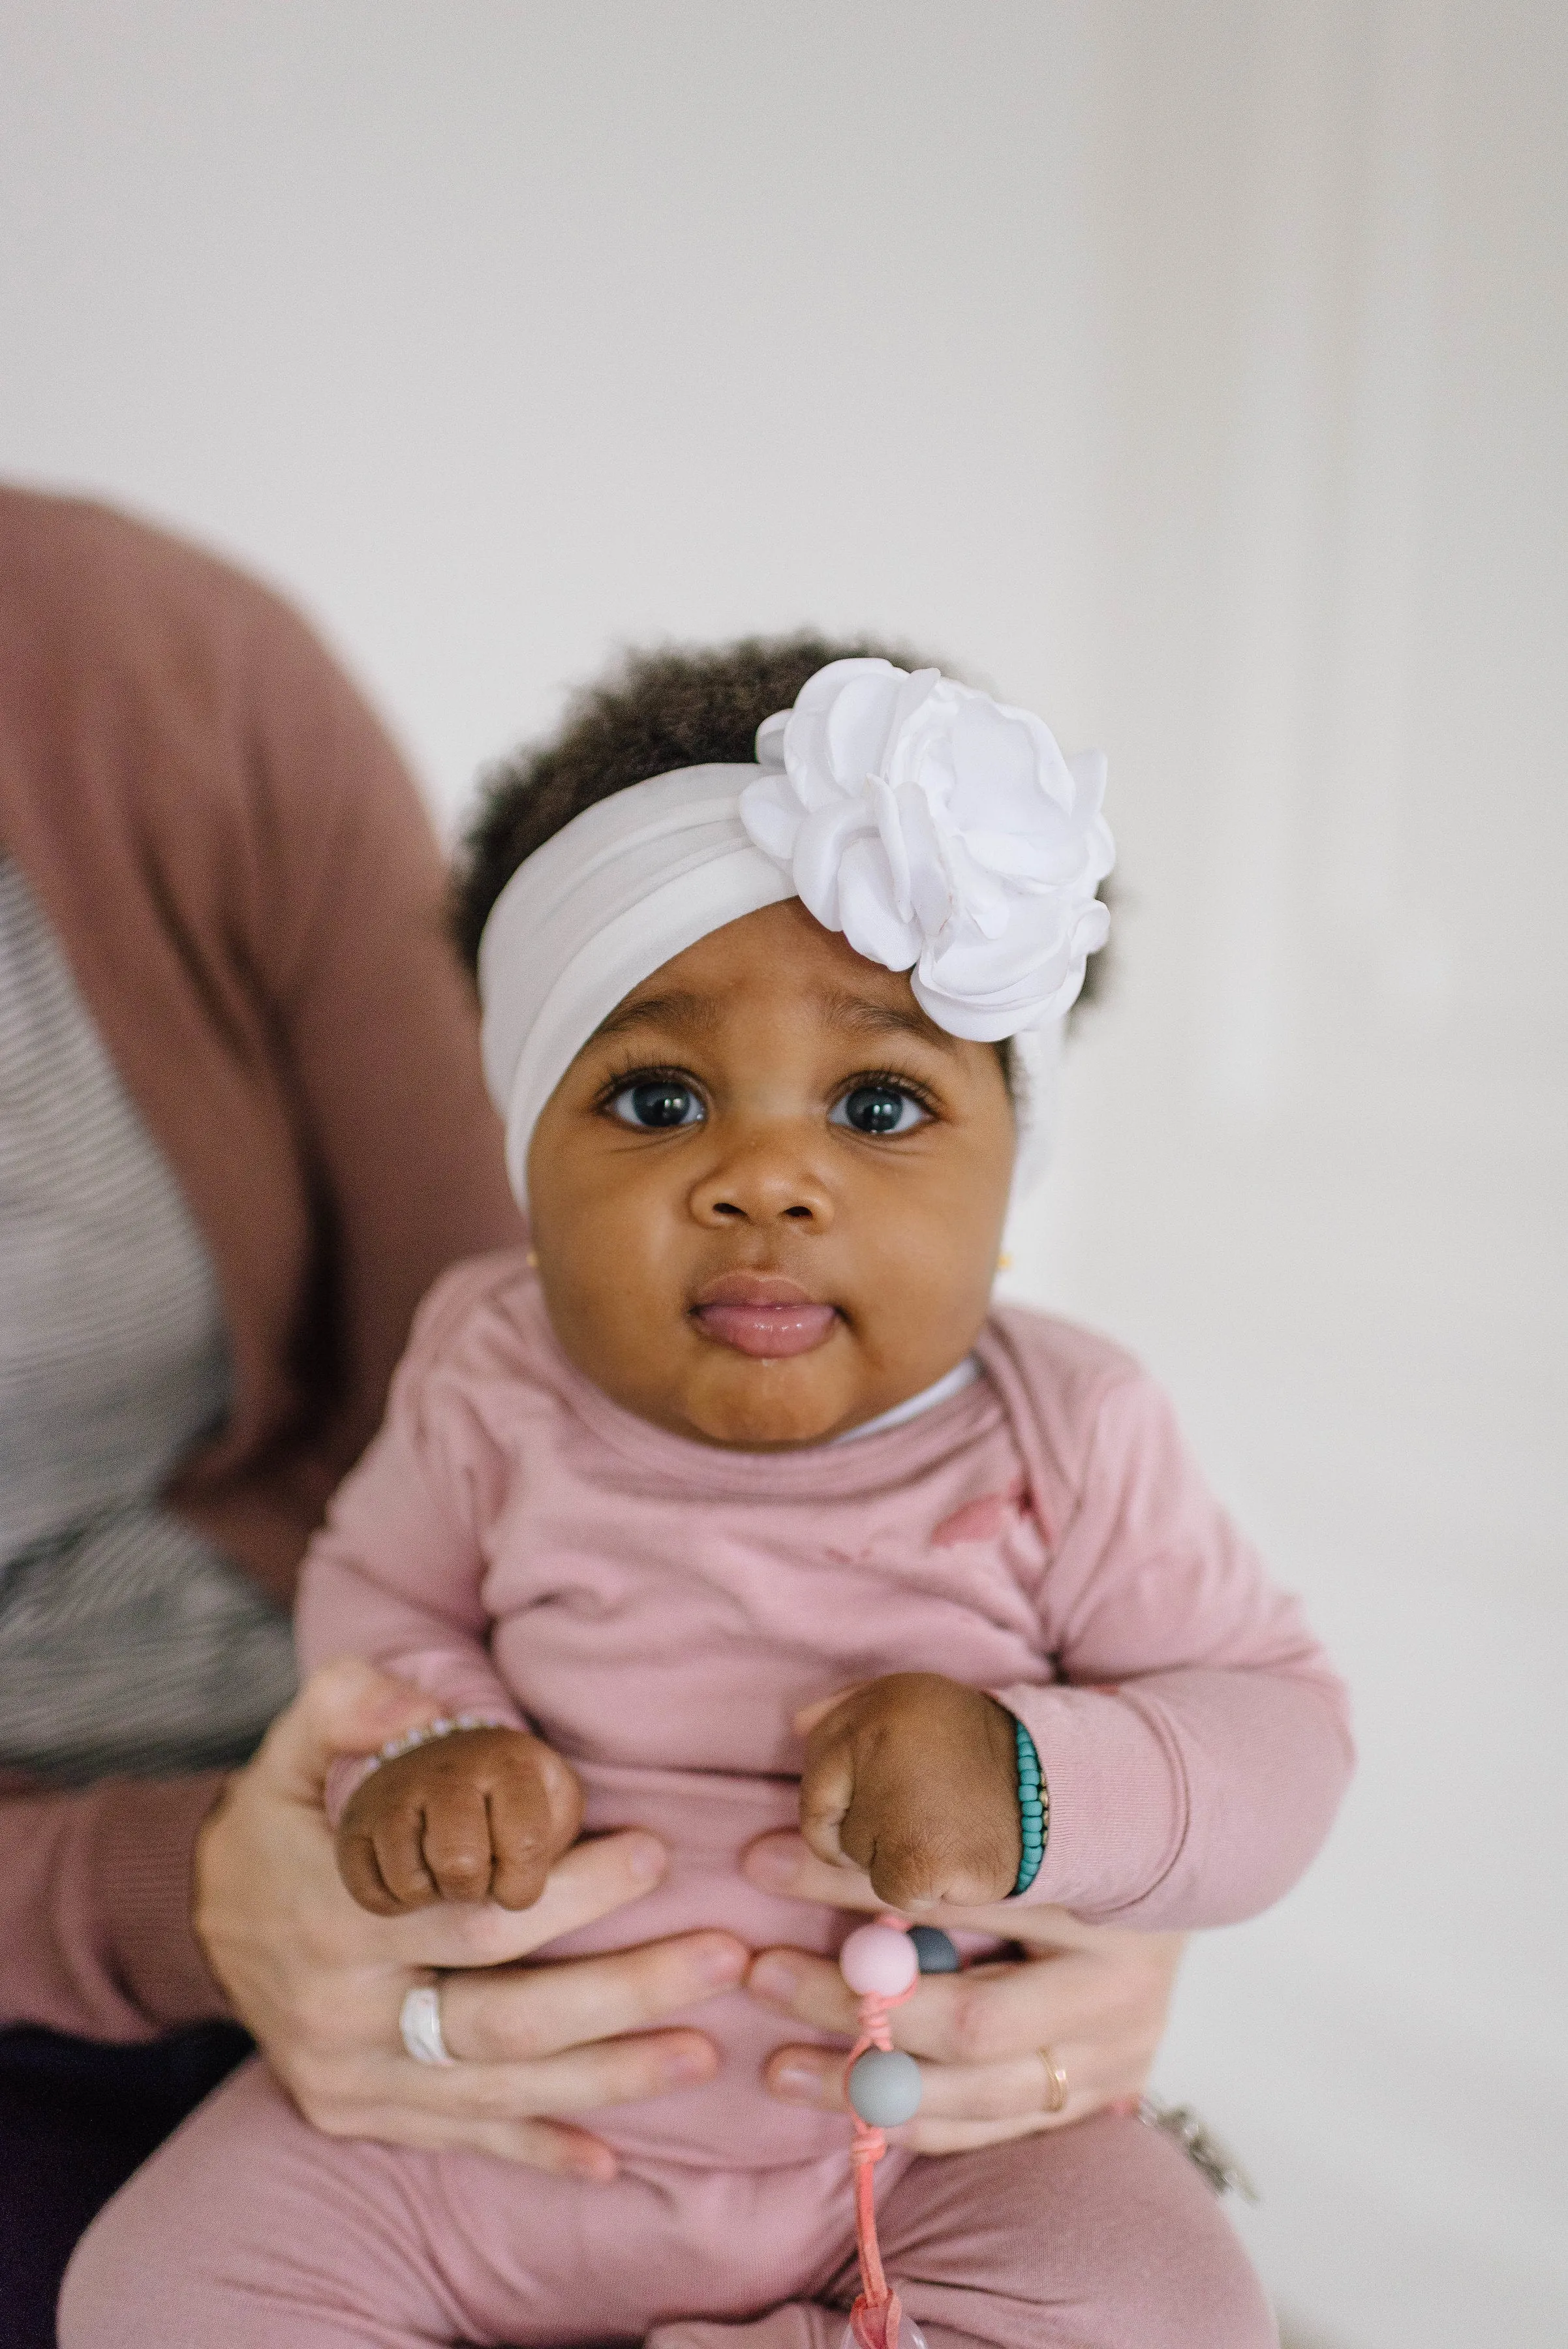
[[748, 1405]]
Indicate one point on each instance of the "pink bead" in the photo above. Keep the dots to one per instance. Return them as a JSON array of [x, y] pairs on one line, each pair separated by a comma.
[[879, 1958]]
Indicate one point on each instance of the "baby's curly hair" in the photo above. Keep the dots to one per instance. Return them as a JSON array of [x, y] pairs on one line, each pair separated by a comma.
[[677, 705]]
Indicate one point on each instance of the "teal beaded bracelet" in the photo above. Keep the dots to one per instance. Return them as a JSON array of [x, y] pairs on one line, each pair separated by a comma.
[[1033, 1808]]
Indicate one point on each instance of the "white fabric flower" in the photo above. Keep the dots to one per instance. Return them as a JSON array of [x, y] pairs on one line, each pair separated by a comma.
[[944, 833]]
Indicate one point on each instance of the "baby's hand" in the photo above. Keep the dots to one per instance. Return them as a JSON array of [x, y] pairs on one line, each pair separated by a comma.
[[915, 1779], [478, 1815]]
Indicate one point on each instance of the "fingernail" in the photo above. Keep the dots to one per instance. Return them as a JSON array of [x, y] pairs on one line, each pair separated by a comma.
[[645, 1859], [797, 2083], [775, 1862], [687, 2064], [721, 1964], [775, 1977]]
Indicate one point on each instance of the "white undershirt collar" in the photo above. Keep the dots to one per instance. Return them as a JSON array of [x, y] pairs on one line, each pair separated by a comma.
[[953, 1383]]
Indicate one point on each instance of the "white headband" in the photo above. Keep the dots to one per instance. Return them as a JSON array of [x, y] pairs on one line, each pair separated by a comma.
[[943, 833]]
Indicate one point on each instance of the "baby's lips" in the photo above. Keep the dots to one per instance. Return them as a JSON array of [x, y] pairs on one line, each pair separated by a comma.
[[772, 1333], [764, 1314]]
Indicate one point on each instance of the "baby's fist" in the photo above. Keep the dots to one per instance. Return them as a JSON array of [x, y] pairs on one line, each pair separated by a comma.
[[478, 1815], [914, 1778]]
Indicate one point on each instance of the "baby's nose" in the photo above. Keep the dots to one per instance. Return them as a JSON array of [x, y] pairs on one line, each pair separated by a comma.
[[764, 1184]]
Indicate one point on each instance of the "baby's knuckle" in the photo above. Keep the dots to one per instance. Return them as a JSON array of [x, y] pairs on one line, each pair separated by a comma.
[[463, 1874], [517, 1886], [917, 1867]]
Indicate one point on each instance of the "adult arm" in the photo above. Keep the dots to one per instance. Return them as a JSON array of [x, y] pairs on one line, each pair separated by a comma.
[[95, 1908]]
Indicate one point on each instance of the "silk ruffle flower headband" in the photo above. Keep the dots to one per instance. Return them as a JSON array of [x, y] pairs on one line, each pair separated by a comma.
[[941, 832]]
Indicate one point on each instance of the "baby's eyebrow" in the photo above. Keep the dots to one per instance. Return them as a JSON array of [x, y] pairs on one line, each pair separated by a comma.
[[855, 1015], [862, 1015], [678, 1008]]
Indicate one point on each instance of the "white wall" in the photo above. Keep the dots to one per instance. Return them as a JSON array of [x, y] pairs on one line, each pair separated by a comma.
[[1199, 372]]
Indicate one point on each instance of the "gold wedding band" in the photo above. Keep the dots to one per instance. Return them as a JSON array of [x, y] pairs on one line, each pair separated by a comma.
[[1058, 2100]]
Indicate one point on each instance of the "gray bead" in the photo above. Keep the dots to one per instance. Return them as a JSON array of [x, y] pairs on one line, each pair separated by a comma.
[[884, 2088], [935, 1951]]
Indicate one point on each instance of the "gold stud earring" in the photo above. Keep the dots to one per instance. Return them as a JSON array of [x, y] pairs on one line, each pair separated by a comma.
[[1005, 1262], [532, 1261]]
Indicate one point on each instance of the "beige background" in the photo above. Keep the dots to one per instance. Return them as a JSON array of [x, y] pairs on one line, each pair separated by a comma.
[[1198, 371]]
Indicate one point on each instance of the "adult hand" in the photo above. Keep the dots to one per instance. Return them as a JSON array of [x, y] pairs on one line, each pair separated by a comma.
[[1096, 1996], [320, 1983]]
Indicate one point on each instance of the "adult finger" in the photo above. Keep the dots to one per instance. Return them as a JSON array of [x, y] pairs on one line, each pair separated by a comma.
[[989, 2014], [585, 1883], [782, 1863], [347, 1707], [807, 1719], [785, 1863], [553, 2146], [518, 2013], [461, 2093], [577, 2080], [1018, 2095]]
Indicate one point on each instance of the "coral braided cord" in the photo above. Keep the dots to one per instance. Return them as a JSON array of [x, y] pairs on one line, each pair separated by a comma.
[[876, 2317]]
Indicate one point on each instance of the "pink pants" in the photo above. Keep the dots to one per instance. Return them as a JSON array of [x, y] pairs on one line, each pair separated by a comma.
[[250, 2231]]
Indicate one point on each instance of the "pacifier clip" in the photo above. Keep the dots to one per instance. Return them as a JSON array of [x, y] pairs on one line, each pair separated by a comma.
[[882, 1963]]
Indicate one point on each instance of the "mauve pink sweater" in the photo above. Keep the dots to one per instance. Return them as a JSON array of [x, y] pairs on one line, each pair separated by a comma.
[[249, 894], [659, 1610]]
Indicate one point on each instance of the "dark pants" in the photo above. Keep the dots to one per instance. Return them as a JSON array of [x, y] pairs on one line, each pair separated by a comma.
[[75, 2118]]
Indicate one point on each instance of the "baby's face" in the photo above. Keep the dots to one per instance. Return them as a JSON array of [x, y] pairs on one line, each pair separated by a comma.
[[767, 1196]]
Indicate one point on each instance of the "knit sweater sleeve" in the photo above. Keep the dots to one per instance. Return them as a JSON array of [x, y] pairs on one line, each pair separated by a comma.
[[95, 1893], [1197, 1744]]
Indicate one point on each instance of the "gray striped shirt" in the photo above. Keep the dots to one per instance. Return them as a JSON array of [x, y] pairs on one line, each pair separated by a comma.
[[126, 1642]]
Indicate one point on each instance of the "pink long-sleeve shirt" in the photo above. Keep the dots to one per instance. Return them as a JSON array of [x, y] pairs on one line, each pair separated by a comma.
[[659, 1610]]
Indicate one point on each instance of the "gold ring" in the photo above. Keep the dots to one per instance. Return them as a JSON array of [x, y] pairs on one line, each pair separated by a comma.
[[1057, 2100]]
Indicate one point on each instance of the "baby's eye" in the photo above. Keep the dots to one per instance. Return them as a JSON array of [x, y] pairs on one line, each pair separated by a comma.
[[658, 1102], [878, 1109]]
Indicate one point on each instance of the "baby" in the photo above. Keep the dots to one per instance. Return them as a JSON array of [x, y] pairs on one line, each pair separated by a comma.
[[732, 1501]]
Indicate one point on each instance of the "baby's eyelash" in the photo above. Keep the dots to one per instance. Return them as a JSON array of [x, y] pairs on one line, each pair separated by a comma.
[[897, 1081], [631, 1072], [640, 1073]]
